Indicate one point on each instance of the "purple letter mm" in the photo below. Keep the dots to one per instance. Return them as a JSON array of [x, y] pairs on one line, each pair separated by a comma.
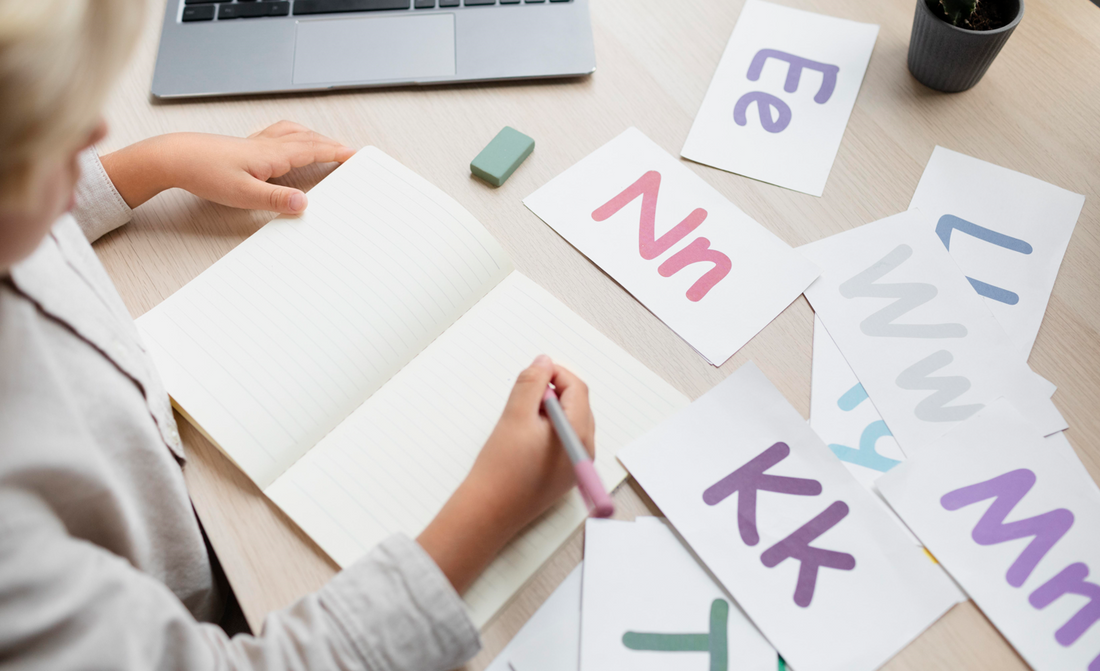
[[1071, 581], [1006, 491]]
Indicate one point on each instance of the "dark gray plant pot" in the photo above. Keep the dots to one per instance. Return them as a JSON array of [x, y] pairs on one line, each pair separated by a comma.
[[950, 59]]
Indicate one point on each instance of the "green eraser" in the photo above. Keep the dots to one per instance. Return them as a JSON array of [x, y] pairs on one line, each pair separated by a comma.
[[500, 158]]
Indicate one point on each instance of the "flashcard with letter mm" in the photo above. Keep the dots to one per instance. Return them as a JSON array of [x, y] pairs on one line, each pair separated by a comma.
[[700, 264], [779, 102], [1018, 525]]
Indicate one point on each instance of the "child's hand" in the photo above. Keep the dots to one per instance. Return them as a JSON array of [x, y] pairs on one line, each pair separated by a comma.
[[228, 170], [520, 472], [523, 465]]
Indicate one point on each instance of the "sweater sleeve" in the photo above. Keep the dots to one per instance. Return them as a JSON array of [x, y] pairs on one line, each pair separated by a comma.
[[99, 207], [71, 604]]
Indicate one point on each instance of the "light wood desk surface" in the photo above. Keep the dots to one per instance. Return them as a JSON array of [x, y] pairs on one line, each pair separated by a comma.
[[1036, 111]]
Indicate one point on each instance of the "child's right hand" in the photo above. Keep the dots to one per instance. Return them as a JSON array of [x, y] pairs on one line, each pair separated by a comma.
[[521, 471]]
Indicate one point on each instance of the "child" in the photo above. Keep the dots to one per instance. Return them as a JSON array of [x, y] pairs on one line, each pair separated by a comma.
[[102, 561]]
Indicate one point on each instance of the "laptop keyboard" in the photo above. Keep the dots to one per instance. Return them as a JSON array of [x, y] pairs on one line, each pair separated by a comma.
[[208, 10]]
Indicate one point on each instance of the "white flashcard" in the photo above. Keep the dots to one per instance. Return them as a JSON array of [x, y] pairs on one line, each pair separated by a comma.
[[846, 420], [1007, 231], [1015, 523], [716, 278], [1060, 444], [809, 554], [927, 350], [550, 641], [780, 99], [650, 606]]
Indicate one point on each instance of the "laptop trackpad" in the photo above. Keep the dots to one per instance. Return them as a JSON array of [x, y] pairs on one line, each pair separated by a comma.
[[334, 51]]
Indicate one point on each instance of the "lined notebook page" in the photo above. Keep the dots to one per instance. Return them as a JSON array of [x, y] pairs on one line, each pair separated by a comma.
[[280, 340], [391, 465]]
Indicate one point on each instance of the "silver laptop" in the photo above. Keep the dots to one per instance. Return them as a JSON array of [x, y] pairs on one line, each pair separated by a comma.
[[260, 46]]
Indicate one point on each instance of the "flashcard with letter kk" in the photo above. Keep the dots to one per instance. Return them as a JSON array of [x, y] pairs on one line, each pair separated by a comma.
[[779, 102], [701, 265], [809, 554]]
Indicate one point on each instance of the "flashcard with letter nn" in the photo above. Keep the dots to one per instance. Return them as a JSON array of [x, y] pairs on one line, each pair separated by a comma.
[[702, 266]]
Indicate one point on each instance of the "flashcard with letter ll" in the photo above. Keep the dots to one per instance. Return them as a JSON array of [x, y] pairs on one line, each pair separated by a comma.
[[809, 554], [1015, 522], [1007, 231], [780, 99], [706, 269]]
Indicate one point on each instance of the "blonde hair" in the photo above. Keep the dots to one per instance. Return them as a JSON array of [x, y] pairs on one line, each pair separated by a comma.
[[58, 59]]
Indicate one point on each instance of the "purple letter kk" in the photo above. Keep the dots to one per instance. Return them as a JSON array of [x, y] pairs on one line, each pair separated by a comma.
[[797, 546], [751, 477]]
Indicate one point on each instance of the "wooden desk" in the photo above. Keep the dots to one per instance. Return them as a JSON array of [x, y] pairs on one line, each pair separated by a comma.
[[1035, 111]]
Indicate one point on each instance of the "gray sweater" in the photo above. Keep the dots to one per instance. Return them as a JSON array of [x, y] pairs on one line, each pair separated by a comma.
[[102, 563]]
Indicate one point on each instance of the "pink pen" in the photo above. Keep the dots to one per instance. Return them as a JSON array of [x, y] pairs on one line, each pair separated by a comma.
[[588, 481]]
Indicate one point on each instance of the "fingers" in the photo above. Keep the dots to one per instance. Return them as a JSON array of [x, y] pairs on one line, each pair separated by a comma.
[[280, 128], [526, 397], [298, 150], [316, 150], [300, 146], [252, 194], [571, 389]]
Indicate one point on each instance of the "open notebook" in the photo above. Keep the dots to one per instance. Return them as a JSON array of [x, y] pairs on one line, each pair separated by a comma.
[[353, 360]]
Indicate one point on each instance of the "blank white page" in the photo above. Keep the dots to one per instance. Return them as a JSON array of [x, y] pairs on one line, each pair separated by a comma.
[[392, 464], [272, 346]]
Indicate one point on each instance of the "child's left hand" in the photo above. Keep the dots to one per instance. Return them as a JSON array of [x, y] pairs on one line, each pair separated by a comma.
[[227, 170]]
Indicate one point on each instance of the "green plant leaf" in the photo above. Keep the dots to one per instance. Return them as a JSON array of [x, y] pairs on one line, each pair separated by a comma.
[[959, 11]]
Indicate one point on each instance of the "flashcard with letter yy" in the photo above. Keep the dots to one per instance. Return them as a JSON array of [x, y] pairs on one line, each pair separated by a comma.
[[1007, 231], [700, 264], [923, 344], [1016, 523], [809, 554], [781, 97], [843, 416], [649, 606], [846, 420]]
